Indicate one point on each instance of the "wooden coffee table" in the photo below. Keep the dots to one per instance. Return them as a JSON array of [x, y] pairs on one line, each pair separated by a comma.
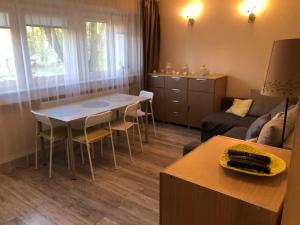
[[196, 190]]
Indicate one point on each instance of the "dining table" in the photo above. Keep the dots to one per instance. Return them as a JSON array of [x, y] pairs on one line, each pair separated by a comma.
[[79, 110]]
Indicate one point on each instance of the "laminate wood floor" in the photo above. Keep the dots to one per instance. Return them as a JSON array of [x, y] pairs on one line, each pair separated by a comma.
[[128, 195]]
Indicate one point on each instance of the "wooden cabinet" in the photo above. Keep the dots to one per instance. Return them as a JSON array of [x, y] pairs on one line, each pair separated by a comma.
[[156, 81], [201, 84], [176, 99], [158, 102], [204, 97], [156, 84], [200, 105], [186, 100], [174, 82], [196, 190]]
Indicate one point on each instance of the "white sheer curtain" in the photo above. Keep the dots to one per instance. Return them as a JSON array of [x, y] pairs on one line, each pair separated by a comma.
[[60, 48]]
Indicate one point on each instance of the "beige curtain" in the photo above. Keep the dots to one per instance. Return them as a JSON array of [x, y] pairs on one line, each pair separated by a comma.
[[151, 35]]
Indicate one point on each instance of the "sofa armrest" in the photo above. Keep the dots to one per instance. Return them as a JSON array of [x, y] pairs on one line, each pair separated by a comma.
[[226, 103]]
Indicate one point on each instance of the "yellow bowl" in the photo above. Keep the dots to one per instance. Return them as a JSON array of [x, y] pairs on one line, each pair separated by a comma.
[[277, 164]]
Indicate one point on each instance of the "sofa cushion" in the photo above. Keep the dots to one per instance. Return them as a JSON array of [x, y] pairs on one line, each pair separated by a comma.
[[221, 122], [237, 132], [272, 131], [240, 107], [262, 104], [257, 125], [279, 108]]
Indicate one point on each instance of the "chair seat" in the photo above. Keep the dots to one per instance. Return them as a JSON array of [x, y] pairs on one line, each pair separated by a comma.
[[139, 113], [59, 133], [93, 134], [121, 126]]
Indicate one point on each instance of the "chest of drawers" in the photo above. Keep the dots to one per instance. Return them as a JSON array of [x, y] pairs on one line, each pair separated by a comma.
[[186, 100]]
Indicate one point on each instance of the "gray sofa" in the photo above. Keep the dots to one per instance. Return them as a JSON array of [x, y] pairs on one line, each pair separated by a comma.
[[222, 123]]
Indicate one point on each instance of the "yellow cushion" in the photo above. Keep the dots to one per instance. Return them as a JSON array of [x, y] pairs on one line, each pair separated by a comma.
[[121, 126], [93, 134], [240, 107]]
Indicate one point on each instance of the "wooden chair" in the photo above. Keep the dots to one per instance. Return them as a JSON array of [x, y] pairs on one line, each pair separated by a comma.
[[92, 133], [142, 114], [125, 124], [52, 134]]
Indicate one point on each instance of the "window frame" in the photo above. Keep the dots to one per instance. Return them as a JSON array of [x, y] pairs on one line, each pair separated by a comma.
[[97, 75], [8, 86]]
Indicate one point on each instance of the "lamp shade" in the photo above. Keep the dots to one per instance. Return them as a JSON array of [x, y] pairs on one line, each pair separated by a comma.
[[283, 75]]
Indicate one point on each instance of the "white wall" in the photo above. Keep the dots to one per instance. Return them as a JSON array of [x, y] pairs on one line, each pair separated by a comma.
[[223, 40]]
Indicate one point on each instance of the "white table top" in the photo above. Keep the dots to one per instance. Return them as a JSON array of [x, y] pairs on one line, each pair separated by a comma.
[[82, 109]]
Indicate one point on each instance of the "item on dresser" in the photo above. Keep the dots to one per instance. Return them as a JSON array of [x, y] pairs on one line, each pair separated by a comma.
[[247, 159], [247, 155], [248, 164], [168, 68], [162, 71], [154, 71], [185, 69], [203, 70], [174, 72]]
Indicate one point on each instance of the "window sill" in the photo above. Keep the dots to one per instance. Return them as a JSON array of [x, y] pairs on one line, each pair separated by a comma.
[[12, 97]]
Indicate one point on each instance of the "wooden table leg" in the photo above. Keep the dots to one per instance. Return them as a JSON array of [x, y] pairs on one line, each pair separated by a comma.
[[42, 144], [146, 123], [71, 152]]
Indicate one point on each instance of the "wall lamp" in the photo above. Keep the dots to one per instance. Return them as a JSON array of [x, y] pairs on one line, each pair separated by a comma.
[[252, 8], [252, 15], [191, 19], [192, 11]]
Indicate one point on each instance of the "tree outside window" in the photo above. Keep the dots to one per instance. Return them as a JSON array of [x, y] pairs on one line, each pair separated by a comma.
[[45, 46]]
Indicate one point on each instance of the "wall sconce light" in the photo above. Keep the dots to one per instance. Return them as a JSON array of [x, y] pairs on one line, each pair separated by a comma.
[[191, 12], [252, 8], [252, 15], [191, 19]]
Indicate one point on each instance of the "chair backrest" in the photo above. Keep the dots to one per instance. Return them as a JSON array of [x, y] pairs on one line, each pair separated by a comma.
[[98, 119], [42, 118], [131, 110], [146, 94]]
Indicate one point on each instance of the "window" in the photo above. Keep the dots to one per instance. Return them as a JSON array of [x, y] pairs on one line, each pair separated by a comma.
[[45, 38], [7, 64], [120, 50], [96, 44], [48, 51], [45, 45]]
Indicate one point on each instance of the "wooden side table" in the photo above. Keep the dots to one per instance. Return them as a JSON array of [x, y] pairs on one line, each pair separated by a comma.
[[196, 190]]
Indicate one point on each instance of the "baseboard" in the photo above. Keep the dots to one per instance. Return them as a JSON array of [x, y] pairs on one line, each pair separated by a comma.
[[22, 162]]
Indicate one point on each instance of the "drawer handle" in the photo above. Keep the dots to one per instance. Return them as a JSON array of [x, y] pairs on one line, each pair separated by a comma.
[[154, 76], [176, 78], [175, 101], [200, 79], [176, 90], [175, 113]]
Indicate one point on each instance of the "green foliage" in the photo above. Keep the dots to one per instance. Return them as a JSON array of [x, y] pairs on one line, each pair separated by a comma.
[[45, 46], [96, 46]]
